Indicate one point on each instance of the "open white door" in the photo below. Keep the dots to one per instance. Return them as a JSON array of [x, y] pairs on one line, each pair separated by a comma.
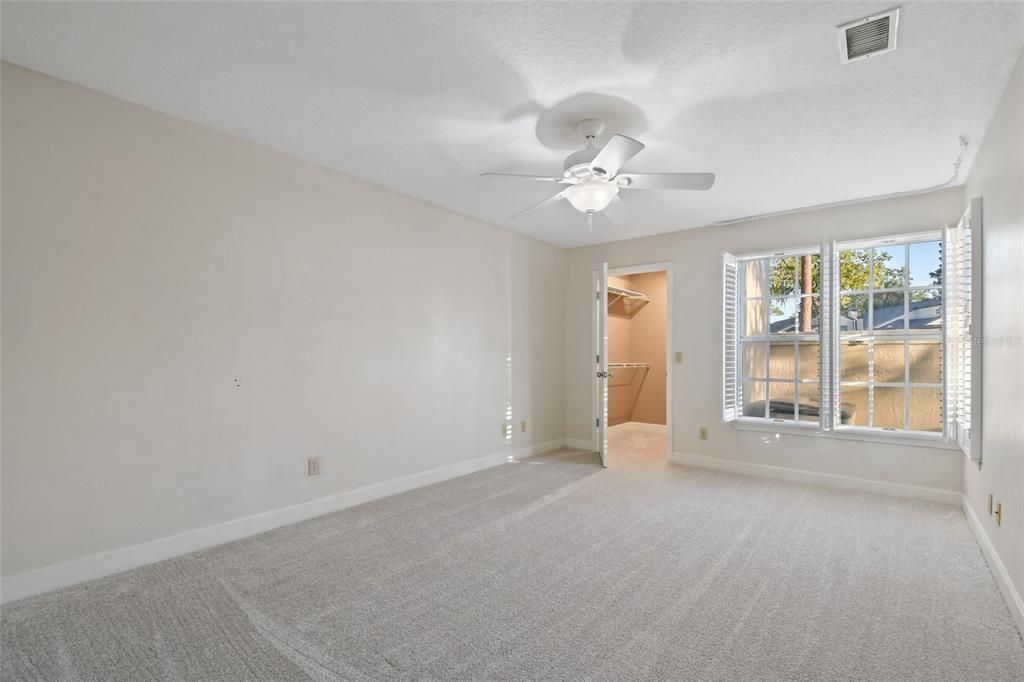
[[602, 364]]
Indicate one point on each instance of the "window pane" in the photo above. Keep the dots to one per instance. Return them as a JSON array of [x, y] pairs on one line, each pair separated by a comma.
[[755, 275], [755, 359], [809, 402], [808, 313], [925, 362], [889, 407], [781, 397], [926, 309], [888, 361], [890, 262], [854, 405], [783, 315], [853, 269], [782, 363], [889, 312], [853, 361], [754, 398], [925, 263], [926, 409], [808, 275], [809, 359], [783, 276], [853, 312], [755, 318]]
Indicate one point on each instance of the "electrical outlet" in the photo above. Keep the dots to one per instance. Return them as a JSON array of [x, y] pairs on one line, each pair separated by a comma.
[[999, 513], [522, 426], [313, 466], [703, 433], [679, 357]]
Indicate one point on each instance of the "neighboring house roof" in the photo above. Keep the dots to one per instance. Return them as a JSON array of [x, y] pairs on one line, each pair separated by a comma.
[[924, 315]]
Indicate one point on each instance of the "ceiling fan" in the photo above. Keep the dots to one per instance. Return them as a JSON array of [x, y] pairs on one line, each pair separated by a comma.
[[593, 176]]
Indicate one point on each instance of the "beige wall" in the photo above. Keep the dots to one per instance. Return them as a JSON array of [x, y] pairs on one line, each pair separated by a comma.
[[997, 176], [187, 317], [647, 331], [696, 259], [634, 394]]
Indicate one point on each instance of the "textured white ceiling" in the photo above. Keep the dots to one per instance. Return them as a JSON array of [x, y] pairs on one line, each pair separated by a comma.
[[422, 97]]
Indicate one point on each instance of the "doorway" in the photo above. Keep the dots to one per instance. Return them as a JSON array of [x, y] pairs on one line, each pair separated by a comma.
[[635, 398]]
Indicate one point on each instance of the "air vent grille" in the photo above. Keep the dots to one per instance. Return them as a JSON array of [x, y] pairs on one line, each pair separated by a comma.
[[869, 36]]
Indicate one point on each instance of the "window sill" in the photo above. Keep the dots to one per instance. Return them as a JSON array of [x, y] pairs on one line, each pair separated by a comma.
[[848, 433]]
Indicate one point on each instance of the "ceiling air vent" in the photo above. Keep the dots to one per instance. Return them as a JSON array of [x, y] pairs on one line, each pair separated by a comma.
[[868, 37]]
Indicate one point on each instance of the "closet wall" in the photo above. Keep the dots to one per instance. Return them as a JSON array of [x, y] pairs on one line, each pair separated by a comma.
[[647, 336], [639, 339]]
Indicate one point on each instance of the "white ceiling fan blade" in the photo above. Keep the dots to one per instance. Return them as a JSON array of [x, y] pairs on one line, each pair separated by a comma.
[[614, 155], [665, 180], [549, 200], [542, 178]]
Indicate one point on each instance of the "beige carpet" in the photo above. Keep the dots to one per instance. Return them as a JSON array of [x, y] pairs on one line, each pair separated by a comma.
[[552, 568]]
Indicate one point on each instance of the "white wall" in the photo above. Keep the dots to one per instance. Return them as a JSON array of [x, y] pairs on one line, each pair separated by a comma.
[[997, 176], [696, 255], [149, 263]]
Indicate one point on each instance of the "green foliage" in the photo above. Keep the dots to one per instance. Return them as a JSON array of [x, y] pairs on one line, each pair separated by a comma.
[[786, 276]]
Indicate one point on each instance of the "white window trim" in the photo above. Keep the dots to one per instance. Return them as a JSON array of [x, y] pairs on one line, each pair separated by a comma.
[[829, 337], [810, 429]]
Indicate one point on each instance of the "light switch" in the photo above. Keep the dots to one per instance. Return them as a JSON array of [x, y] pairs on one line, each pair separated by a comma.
[[679, 357]]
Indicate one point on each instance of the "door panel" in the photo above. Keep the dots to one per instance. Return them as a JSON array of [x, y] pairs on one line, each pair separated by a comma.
[[602, 365]]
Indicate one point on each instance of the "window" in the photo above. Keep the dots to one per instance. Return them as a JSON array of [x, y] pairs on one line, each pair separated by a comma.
[[779, 342], [869, 336], [890, 327]]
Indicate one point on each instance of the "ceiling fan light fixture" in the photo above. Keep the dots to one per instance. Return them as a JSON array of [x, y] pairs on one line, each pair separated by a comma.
[[591, 196]]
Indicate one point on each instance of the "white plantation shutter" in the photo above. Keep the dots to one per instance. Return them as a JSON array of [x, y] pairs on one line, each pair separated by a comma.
[[962, 364], [827, 356], [730, 364]]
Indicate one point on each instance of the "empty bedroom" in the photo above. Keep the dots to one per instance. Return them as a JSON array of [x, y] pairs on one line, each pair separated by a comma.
[[512, 340]]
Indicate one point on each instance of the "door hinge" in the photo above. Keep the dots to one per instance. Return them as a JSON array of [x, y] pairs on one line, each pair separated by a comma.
[[597, 295], [597, 359], [597, 422]]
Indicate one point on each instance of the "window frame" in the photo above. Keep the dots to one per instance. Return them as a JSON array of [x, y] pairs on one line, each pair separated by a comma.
[[872, 335], [768, 339], [830, 336]]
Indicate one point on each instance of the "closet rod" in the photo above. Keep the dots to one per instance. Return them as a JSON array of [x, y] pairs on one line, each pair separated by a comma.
[[626, 292]]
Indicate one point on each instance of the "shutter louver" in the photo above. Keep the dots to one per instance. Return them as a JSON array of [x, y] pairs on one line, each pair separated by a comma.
[[730, 364], [963, 354], [826, 353]]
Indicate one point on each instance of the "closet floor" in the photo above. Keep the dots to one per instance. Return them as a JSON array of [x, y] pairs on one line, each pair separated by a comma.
[[636, 440]]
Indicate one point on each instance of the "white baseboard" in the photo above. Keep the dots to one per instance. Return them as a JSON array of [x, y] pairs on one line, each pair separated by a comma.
[[1010, 594], [579, 444], [865, 485], [38, 581]]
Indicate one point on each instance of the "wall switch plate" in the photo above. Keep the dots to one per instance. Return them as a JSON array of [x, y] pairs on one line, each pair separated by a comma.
[[313, 466], [999, 513], [703, 433], [522, 426], [990, 503], [679, 357]]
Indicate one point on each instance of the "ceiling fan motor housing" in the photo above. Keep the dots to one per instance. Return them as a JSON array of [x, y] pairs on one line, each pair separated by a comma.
[[577, 164]]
